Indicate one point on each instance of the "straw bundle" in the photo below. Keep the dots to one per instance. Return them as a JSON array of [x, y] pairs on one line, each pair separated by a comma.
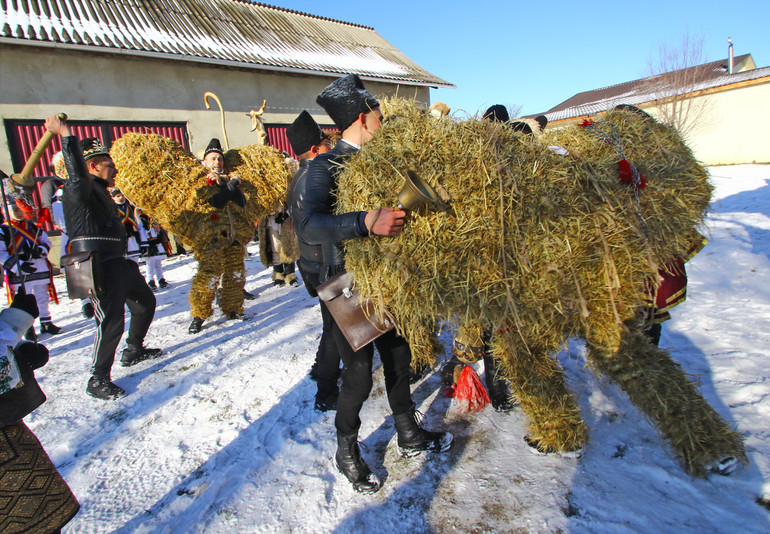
[[554, 245], [168, 182], [534, 247], [661, 390]]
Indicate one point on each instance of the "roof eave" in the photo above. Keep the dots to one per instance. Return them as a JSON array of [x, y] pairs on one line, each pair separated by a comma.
[[217, 62]]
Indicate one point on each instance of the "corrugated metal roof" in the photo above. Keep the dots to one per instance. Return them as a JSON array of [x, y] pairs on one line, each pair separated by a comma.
[[709, 76], [229, 32]]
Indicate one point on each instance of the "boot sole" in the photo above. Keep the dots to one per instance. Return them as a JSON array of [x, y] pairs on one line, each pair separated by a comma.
[[131, 363], [445, 445], [106, 398], [369, 478]]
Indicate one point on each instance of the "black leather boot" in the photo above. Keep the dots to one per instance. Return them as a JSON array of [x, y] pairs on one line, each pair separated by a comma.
[[349, 462], [413, 439], [497, 386]]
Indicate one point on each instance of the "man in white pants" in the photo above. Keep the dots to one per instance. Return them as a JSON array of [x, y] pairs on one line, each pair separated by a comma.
[[30, 246]]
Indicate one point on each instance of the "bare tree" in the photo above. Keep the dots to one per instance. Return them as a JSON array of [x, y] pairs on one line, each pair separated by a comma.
[[674, 82]]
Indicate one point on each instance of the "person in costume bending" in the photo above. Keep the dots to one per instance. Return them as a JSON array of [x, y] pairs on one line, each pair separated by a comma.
[[670, 291], [469, 344], [25, 257], [222, 255]]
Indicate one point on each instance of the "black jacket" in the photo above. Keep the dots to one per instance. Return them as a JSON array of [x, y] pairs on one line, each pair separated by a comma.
[[93, 222], [318, 223], [311, 256]]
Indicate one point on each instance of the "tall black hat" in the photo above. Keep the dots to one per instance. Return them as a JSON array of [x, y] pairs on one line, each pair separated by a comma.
[[304, 133], [496, 113], [214, 146], [92, 147], [344, 99]]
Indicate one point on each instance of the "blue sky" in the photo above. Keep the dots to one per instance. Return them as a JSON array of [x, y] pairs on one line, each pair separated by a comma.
[[538, 54]]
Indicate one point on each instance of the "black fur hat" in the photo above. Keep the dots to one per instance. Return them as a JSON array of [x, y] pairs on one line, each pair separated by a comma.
[[304, 133], [214, 146], [92, 147], [344, 99], [496, 113]]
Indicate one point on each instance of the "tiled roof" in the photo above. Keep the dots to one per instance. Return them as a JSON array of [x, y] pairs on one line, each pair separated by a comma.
[[636, 92], [235, 33]]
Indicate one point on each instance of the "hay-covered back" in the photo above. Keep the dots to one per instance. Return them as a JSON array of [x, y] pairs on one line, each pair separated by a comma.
[[160, 176], [534, 244]]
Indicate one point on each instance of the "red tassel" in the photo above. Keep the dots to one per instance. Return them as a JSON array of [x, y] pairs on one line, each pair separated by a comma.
[[43, 217], [586, 122], [470, 392], [627, 174]]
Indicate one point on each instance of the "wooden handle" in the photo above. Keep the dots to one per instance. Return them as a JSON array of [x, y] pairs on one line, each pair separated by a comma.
[[23, 178]]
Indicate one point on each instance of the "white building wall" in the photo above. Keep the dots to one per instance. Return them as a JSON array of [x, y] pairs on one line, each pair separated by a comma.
[[736, 126], [38, 82]]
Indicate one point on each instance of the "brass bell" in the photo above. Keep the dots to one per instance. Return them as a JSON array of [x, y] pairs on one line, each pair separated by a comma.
[[417, 193]]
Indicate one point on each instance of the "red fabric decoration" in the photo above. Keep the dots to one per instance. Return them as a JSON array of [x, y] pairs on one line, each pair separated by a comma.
[[43, 217], [470, 393], [214, 217], [627, 175], [586, 122]]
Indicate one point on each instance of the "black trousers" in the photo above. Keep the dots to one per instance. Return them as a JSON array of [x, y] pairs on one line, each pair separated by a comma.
[[327, 357], [125, 286], [357, 377], [284, 268]]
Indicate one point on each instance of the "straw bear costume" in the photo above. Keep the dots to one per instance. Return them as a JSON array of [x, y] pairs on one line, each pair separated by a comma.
[[216, 221], [540, 241]]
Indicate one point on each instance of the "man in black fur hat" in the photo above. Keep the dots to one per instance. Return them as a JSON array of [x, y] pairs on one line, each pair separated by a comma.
[[308, 141], [357, 115], [93, 225]]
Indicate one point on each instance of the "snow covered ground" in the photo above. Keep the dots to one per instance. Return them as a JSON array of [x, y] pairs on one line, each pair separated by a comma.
[[220, 435]]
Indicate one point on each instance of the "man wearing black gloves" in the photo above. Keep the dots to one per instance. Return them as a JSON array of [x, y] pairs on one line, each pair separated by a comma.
[[220, 258], [357, 115], [94, 225], [307, 141]]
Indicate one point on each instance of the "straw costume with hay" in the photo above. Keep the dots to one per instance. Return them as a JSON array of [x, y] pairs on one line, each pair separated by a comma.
[[537, 248], [170, 185]]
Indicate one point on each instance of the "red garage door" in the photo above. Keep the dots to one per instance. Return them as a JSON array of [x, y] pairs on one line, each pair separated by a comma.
[[23, 136]]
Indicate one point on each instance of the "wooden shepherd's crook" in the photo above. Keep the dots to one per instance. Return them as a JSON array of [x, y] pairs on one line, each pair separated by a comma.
[[206, 96]]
